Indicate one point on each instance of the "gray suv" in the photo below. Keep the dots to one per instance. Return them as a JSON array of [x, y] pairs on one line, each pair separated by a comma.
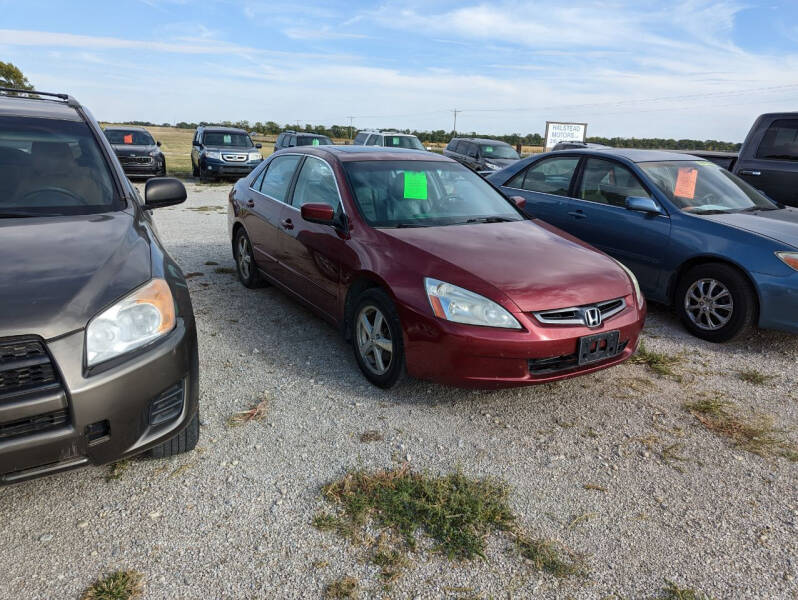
[[481, 155], [98, 346], [388, 139], [292, 139], [218, 152]]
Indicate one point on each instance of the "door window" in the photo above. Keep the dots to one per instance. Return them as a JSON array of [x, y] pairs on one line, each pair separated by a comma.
[[550, 176], [608, 182], [374, 140], [278, 177], [315, 184], [471, 150], [780, 141], [360, 138]]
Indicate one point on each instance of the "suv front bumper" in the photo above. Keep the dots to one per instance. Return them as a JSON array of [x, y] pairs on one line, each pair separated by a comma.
[[112, 414]]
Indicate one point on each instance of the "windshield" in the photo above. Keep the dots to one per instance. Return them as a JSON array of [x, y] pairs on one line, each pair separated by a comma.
[[121, 137], [702, 187], [425, 194], [499, 151], [307, 140], [51, 167], [226, 138], [403, 141]]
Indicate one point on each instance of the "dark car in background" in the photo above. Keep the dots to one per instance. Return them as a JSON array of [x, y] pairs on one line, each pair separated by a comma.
[[291, 139], [481, 155], [426, 267], [696, 236], [219, 152], [138, 153], [388, 139], [98, 346]]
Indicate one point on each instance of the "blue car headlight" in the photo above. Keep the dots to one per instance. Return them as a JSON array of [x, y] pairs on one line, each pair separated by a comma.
[[789, 258]]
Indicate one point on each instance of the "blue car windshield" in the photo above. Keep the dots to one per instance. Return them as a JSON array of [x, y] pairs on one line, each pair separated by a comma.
[[702, 187]]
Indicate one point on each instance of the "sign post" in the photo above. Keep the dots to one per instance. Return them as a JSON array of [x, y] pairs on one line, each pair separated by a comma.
[[563, 132]]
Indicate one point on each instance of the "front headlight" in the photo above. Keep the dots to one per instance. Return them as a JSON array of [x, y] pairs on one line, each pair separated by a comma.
[[255, 156], [461, 306], [141, 317], [789, 258], [154, 153], [638, 293], [212, 154]]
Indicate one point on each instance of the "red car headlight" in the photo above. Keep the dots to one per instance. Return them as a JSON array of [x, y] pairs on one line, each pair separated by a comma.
[[459, 305]]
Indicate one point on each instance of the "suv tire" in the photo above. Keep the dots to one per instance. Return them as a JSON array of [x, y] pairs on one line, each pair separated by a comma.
[[716, 302], [373, 348], [185, 441]]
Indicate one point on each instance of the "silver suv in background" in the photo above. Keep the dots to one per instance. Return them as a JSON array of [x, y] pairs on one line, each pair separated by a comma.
[[388, 139]]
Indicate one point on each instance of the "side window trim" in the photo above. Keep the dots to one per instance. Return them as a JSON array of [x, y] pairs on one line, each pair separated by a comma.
[[260, 175], [298, 173], [290, 188]]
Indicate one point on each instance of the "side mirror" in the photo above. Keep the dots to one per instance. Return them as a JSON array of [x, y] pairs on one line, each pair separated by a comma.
[[158, 144], [318, 213], [163, 191], [641, 204], [519, 201], [259, 146], [196, 143]]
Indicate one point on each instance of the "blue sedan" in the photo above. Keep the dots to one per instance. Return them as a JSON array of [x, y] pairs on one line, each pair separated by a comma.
[[696, 236]]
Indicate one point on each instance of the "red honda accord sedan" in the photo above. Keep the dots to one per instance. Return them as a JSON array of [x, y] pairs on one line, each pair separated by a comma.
[[429, 270]]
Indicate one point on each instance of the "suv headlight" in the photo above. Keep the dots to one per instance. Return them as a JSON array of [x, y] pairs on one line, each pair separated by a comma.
[[638, 294], [212, 154], [789, 258], [154, 153], [255, 156], [138, 319], [461, 306]]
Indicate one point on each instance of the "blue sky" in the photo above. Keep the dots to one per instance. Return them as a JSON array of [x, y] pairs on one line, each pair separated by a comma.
[[683, 68]]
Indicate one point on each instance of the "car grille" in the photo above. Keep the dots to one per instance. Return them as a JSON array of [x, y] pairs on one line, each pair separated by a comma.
[[235, 157], [576, 315], [135, 160], [555, 364], [27, 375]]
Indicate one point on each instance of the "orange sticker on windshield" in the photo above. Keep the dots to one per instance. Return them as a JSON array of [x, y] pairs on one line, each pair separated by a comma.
[[129, 138], [685, 183]]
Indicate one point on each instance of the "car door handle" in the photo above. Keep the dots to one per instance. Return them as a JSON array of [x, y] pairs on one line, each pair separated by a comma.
[[251, 203], [577, 214], [750, 172], [287, 224]]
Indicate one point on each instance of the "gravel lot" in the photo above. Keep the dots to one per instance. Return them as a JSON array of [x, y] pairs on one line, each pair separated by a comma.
[[232, 519]]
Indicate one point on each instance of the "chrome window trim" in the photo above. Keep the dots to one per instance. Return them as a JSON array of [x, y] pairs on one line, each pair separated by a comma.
[[335, 179], [266, 166]]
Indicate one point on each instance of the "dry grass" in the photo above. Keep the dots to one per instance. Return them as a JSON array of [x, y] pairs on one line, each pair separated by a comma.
[[225, 270], [116, 470], [658, 362], [346, 587], [119, 585], [753, 376], [594, 487], [674, 592], [756, 433], [256, 413], [371, 436]]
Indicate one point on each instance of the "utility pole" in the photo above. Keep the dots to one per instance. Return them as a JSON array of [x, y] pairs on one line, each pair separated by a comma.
[[350, 126], [454, 127]]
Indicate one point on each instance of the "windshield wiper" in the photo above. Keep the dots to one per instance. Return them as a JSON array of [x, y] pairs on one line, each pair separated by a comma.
[[408, 225], [711, 211], [22, 215], [751, 209], [492, 220]]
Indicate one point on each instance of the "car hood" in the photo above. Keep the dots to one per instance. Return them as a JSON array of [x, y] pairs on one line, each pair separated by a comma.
[[58, 272], [534, 267], [779, 225], [128, 150]]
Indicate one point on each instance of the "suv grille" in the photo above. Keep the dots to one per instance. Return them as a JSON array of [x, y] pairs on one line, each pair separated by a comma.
[[32, 425], [135, 160], [576, 314], [235, 157]]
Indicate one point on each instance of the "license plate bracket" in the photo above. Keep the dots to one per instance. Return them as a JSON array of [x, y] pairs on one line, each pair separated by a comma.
[[596, 347]]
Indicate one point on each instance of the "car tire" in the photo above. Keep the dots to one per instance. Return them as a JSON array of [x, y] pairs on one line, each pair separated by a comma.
[[372, 349], [716, 302], [203, 176], [246, 268], [194, 170], [185, 441]]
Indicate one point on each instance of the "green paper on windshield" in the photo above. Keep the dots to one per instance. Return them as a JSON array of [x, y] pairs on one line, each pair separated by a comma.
[[228, 139], [415, 185], [396, 141], [487, 149], [315, 142]]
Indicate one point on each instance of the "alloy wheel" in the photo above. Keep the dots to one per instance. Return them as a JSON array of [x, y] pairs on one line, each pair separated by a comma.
[[374, 340], [244, 257], [709, 304]]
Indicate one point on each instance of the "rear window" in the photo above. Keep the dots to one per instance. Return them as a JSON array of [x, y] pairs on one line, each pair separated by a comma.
[[403, 141], [780, 141], [499, 150], [309, 140], [51, 167], [129, 138]]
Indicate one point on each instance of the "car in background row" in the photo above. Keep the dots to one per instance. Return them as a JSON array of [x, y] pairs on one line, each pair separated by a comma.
[[481, 155], [291, 139], [482, 295], [696, 236], [218, 152], [573, 145], [98, 345], [388, 139], [138, 153]]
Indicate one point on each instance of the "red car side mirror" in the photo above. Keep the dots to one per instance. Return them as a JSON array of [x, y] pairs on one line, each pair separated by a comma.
[[318, 213], [519, 201]]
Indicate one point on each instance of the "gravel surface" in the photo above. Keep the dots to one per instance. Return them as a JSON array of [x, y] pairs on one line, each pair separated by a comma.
[[232, 519]]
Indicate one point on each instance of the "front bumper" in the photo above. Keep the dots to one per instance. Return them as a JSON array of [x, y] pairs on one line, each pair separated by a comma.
[[485, 357], [778, 301], [222, 168], [134, 167], [111, 413]]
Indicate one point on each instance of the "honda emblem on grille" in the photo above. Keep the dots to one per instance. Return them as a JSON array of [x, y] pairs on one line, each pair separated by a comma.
[[592, 317]]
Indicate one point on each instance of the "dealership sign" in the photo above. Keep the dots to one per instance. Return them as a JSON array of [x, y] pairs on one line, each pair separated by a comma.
[[564, 132]]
